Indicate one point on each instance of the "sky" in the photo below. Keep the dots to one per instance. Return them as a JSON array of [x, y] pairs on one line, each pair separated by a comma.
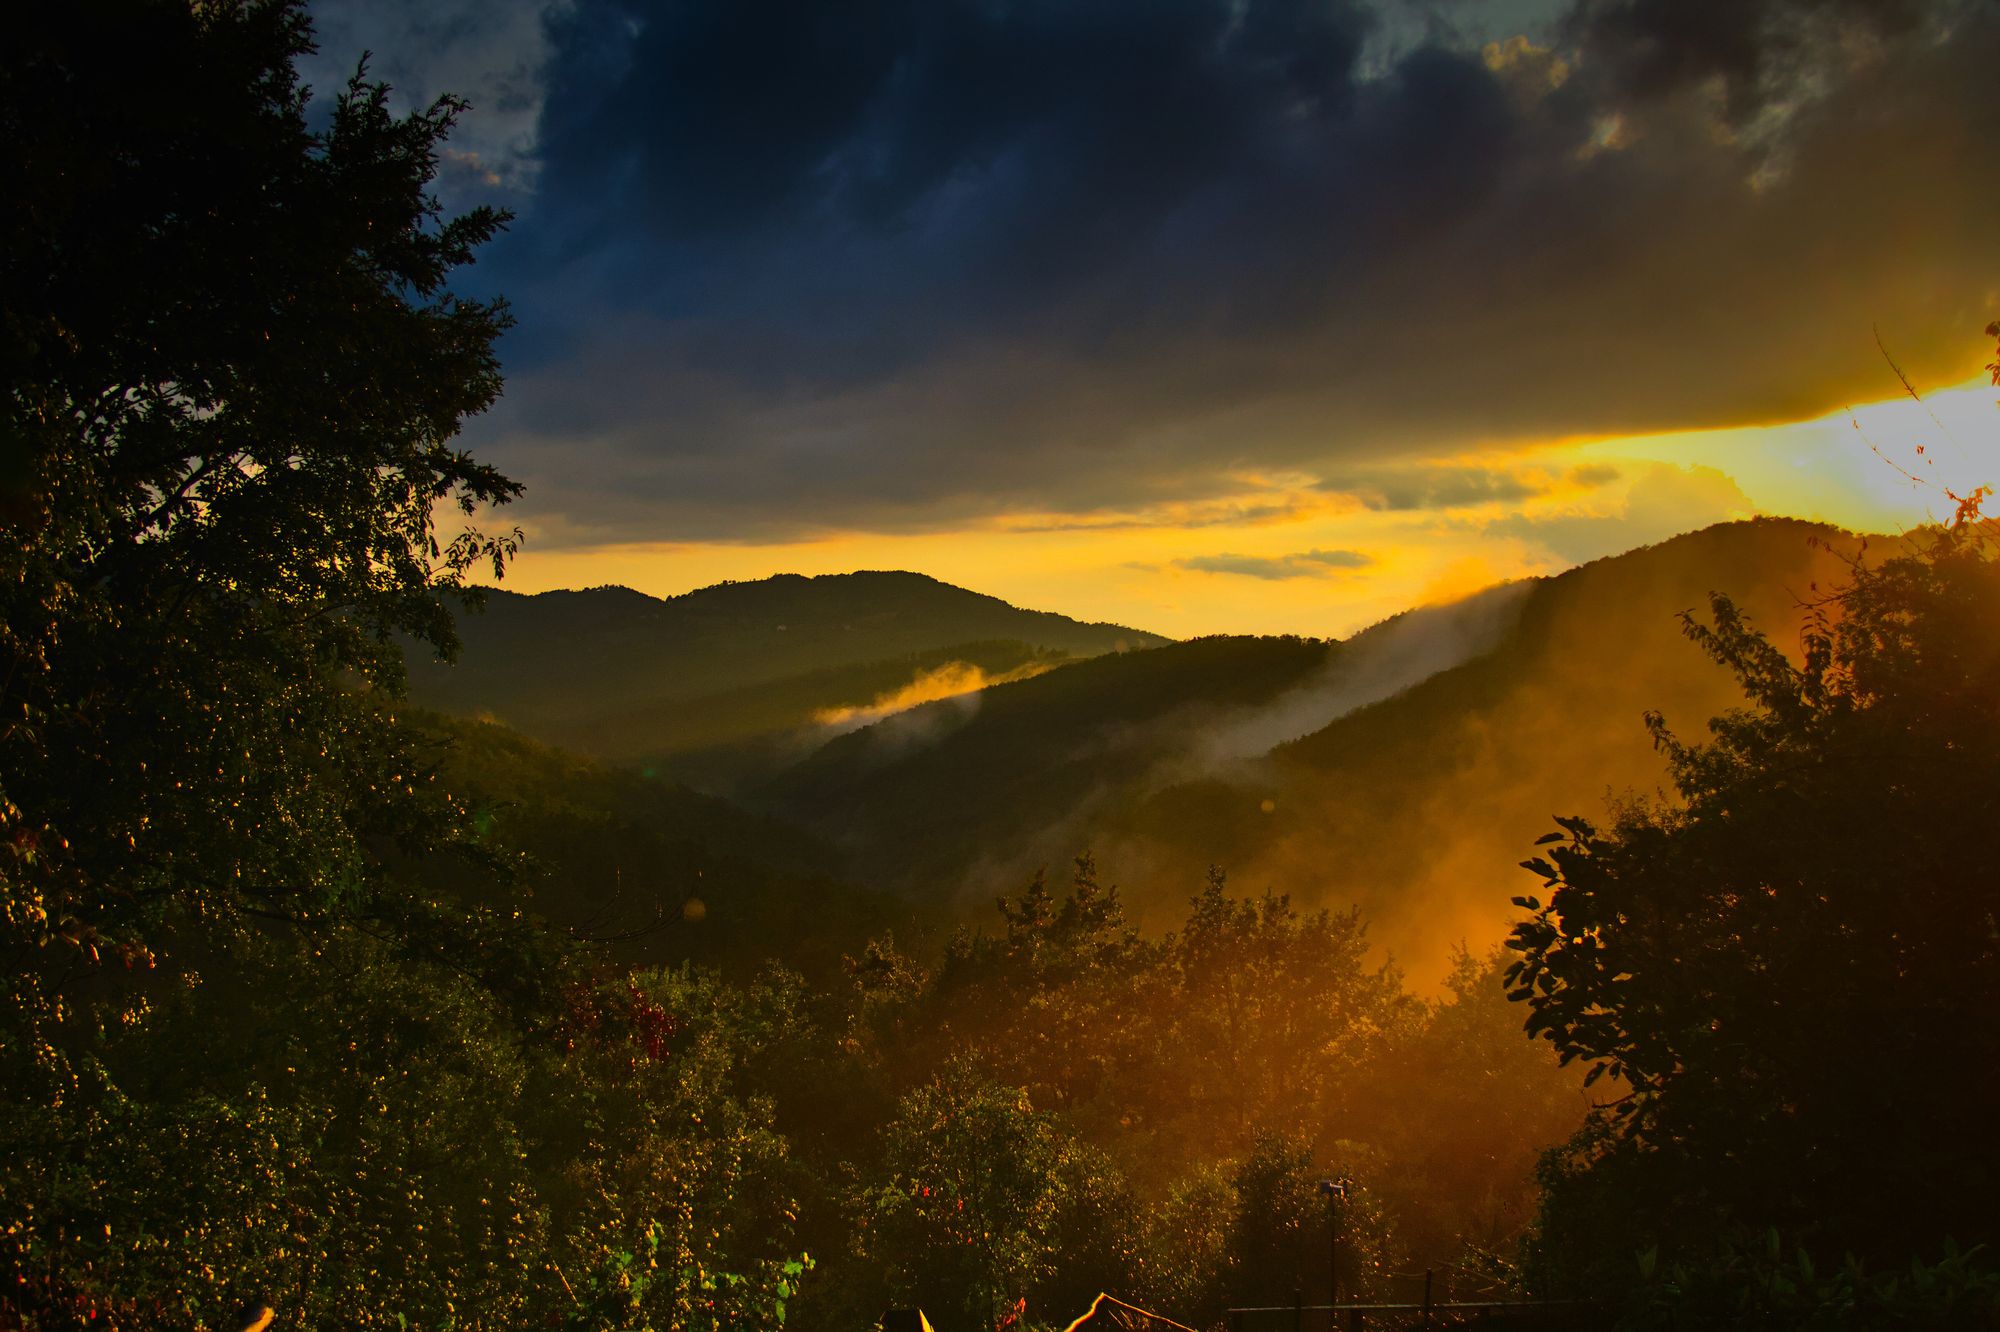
[[1204, 316]]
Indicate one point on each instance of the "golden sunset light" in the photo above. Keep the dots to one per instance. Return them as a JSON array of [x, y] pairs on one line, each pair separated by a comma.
[[999, 666], [1883, 466]]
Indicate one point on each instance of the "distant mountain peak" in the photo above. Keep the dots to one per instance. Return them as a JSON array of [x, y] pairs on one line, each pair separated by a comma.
[[618, 673]]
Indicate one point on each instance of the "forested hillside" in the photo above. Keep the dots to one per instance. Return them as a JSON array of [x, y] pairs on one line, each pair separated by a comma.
[[1397, 770], [1414, 807], [649, 870], [1007, 772], [735, 680], [328, 1008]]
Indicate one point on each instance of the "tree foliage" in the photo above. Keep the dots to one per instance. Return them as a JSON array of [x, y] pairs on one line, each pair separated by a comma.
[[1208, 1079], [985, 1201], [1754, 1284], [233, 373], [1793, 971], [233, 1044]]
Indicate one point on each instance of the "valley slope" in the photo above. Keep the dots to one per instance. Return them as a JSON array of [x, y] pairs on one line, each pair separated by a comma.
[[1404, 770]]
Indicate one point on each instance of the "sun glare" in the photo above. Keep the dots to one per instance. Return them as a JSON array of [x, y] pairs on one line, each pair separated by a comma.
[[1877, 466]]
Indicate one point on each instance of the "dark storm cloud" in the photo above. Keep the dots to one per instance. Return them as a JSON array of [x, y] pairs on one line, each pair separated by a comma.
[[1757, 49], [935, 166], [906, 263]]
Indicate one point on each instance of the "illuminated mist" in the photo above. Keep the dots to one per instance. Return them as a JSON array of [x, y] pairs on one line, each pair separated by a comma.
[[955, 679]]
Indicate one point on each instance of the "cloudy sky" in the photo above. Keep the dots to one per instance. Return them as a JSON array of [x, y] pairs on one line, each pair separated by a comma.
[[1212, 315]]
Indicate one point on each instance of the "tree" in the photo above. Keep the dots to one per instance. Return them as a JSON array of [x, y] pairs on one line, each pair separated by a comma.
[[1794, 971], [1465, 1109], [232, 372], [987, 1201], [1055, 1003], [1276, 1014], [672, 1195]]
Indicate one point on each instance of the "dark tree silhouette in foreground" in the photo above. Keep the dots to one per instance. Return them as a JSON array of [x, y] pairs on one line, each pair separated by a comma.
[[231, 374], [1792, 973]]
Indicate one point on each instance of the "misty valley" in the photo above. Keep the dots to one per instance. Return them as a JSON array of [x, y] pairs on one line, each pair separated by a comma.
[[1032, 959], [1231, 666]]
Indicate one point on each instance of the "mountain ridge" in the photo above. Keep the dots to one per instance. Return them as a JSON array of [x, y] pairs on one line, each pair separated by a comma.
[[726, 680], [1402, 769], [1423, 756], [774, 583]]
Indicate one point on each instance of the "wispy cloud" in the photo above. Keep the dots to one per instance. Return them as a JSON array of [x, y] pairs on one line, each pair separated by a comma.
[[956, 679], [1661, 501], [1261, 508], [1305, 564]]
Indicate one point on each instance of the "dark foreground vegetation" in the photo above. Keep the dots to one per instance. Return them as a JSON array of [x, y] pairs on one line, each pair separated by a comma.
[[296, 1013]]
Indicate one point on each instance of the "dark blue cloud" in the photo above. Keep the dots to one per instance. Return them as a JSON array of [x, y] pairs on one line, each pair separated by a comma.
[[714, 117], [919, 169], [740, 117], [896, 263]]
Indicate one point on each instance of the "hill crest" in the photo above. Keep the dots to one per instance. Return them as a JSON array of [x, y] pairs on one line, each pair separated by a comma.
[[689, 681]]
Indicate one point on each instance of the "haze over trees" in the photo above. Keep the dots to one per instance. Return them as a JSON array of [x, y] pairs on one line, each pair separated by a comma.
[[384, 1018], [1792, 966]]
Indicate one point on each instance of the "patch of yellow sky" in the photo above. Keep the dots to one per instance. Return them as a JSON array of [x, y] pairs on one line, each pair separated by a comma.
[[1883, 466]]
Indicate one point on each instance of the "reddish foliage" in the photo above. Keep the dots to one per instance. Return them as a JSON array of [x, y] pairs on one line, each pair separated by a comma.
[[601, 1015]]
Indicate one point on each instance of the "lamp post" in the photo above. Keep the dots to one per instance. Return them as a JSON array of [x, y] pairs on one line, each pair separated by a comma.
[[1336, 1193]]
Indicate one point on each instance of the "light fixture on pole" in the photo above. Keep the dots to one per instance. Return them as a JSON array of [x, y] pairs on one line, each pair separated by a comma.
[[1336, 1193]]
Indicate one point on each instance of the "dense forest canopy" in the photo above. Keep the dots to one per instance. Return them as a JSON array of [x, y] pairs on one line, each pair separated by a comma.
[[318, 1004]]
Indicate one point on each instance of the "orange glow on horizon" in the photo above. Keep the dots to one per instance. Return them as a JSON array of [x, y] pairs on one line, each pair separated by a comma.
[[1154, 566]]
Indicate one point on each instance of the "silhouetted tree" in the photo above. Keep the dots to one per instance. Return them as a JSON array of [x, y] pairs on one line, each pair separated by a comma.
[[1794, 971], [231, 373]]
